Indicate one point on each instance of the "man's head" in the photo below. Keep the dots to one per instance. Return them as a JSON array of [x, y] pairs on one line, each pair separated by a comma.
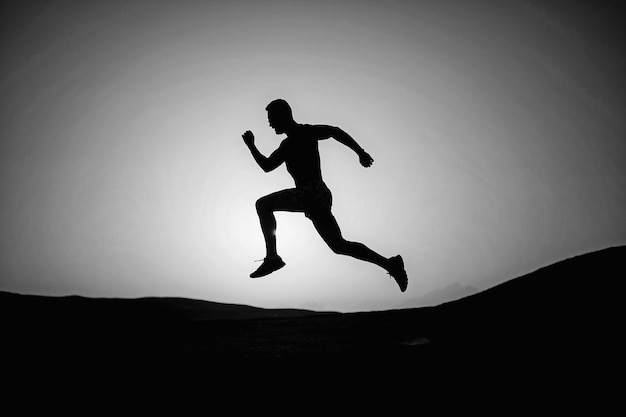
[[279, 115]]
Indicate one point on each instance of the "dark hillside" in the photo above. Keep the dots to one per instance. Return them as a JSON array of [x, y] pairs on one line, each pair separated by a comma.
[[564, 319]]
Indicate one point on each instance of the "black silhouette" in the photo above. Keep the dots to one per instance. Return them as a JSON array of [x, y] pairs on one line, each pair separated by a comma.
[[300, 153], [561, 321]]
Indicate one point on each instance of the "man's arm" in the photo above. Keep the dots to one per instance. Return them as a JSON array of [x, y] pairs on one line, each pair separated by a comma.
[[267, 164], [325, 132]]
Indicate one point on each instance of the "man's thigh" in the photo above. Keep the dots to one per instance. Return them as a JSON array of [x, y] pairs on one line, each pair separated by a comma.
[[327, 226], [284, 200]]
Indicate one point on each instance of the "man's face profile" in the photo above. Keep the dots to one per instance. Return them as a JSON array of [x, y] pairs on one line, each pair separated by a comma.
[[276, 122]]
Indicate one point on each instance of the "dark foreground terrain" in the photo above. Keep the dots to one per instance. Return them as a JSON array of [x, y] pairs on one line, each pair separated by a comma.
[[563, 320]]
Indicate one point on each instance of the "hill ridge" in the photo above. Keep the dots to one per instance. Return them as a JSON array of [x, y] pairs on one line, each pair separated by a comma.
[[610, 258], [536, 317]]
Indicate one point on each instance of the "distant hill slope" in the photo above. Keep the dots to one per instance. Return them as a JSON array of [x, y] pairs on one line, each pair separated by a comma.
[[142, 309], [581, 281], [563, 311], [441, 295], [573, 303]]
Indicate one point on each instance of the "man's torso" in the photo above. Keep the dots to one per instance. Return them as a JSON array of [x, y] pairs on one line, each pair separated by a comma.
[[302, 158]]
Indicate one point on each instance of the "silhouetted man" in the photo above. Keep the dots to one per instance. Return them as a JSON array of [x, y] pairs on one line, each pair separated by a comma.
[[300, 153]]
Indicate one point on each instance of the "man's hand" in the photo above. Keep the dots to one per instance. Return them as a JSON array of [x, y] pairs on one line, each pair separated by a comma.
[[248, 138], [365, 159]]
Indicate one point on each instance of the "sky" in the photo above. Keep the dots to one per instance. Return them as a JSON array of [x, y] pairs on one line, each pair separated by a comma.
[[497, 131]]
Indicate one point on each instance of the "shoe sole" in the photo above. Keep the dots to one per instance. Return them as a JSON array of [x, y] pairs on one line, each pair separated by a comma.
[[253, 275]]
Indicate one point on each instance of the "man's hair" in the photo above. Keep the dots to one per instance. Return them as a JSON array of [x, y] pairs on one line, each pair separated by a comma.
[[280, 107]]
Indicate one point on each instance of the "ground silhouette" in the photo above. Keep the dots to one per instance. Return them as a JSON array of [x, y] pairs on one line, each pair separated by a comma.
[[564, 319]]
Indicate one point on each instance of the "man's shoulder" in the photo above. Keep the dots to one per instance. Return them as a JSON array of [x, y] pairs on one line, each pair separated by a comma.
[[305, 127], [311, 131]]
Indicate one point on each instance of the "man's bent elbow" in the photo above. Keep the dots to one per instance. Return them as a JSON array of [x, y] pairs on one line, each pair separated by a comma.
[[268, 167]]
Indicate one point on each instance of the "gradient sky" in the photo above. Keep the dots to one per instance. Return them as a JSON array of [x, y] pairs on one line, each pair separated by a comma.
[[497, 129]]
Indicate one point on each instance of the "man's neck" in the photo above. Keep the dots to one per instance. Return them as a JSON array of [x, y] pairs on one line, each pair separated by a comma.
[[291, 128]]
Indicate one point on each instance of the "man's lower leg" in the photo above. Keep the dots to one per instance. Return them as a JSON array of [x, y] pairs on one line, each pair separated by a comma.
[[362, 252], [394, 265], [272, 261], [268, 226]]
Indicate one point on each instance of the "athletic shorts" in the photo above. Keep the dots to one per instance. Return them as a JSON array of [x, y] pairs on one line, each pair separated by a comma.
[[315, 199]]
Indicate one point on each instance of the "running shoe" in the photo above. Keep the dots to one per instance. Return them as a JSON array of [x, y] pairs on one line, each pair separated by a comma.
[[397, 272], [269, 265]]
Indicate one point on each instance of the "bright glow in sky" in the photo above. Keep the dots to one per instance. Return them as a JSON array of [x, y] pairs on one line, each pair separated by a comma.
[[497, 130]]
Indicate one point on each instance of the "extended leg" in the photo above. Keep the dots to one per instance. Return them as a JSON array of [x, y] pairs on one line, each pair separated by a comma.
[[329, 230]]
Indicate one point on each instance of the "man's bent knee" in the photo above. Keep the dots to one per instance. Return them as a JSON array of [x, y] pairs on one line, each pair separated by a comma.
[[340, 247], [262, 204]]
